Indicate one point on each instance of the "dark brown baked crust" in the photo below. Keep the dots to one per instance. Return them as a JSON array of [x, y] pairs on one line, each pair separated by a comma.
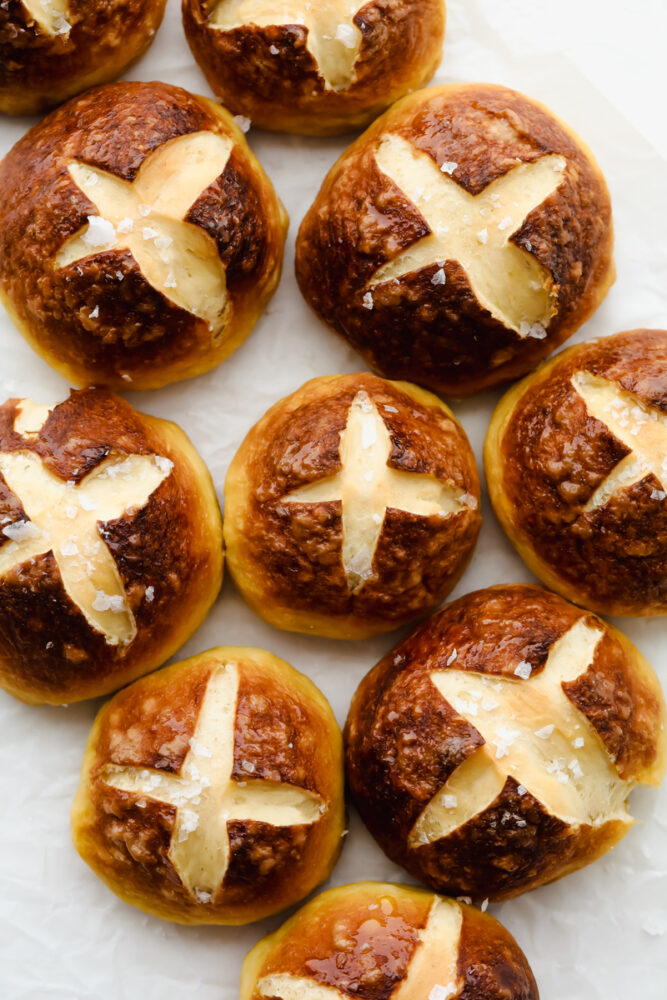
[[39, 69], [284, 731], [270, 75], [98, 320], [439, 335], [404, 740], [286, 558], [49, 652], [546, 456], [361, 940]]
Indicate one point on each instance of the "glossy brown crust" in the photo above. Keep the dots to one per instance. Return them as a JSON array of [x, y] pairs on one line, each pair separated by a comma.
[[138, 337], [360, 940], [39, 70], [48, 650], [440, 336], [404, 740], [284, 727], [283, 90], [286, 557], [546, 456]]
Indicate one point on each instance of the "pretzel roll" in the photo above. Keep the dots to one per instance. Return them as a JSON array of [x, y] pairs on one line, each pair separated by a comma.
[[381, 941], [460, 239], [52, 49], [576, 462], [493, 750], [140, 239], [110, 545], [315, 68], [212, 791], [351, 508]]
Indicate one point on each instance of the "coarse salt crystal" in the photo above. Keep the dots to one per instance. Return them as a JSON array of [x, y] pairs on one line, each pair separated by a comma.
[[578, 743], [202, 896], [367, 301], [505, 224], [164, 464], [523, 670], [534, 330], [162, 242], [148, 233], [658, 494], [483, 235], [149, 594], [439, 992], [469, 500], [347, 35], [71, 512], [390, 409], [452, 657], [125, 225], [521, 790], [545, 732], [450, 801], [100, 232], [69, 548], [108, 602], [21, 531], [248, 765], [439, 278], [189, 821], [274, 50], [170, 280], [484, 905], [449, 166], [94, 313], [242, 122]]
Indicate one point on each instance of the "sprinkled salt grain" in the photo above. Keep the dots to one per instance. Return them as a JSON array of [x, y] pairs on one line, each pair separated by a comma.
[[126, 225], [242, 122], [71, 512], [534, 330], [144, 210], [274, 50], [86, 503], [248, 765], [450, 801], [164, 464], [377, 519], [162, 242], [452, 657], [489, 703], [578, 743], [149, 594], [545, 732], [148, 233], [198, 749], [439, 278], [390, 409], [367, 301], [528, 246], [464, 707], [202, 896], [170, 280], [94, 313], [575, 768], [464, 899], [189, 821], [141, 803], [449, 166], [658, 494], [100, 232], [469, 500], [521, 822], [439, 992], [90, 179], [69, 548], [347, 35], [126, 377], [483, 235], [521, 790], [392, 716], [505, 224], [484, 905], [21, 531], [523, 670], [108, 602], [62, 25]]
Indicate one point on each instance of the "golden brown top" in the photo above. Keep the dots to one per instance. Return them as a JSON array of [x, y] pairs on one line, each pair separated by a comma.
[[352, 497], [213, 789], [510, 718], [335, 62], [147, 226], [375, 941], [581, 467], [100, 544], [459, 239]]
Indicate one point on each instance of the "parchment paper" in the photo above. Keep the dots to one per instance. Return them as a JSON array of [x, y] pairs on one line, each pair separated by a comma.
[[600, 933]]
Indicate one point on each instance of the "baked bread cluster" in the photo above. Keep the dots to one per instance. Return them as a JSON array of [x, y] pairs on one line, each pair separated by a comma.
[[139, 237], [576, 462], [212, 791], [53, 49], [110, 545], [460, 239], [379, 941], [351, 508], [314, 67], [494, 749]]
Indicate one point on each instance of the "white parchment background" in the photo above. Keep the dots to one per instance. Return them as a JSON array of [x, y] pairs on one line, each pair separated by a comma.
[[601, 933]]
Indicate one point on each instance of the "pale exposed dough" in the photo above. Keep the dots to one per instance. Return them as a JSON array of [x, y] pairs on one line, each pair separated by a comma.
[[146, 216], [641, 428], [475, 230], [49, 15], [534, 733], [205, 796], [367, 486], [64, 518], [333, 38]]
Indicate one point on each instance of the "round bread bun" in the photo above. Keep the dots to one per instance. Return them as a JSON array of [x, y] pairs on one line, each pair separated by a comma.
[[493, 750], [212, 791], [378, 940], [351, 508], [140, 239], [110, 545], [316, 68], [576, 463], [460, 239], [53, 49]]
